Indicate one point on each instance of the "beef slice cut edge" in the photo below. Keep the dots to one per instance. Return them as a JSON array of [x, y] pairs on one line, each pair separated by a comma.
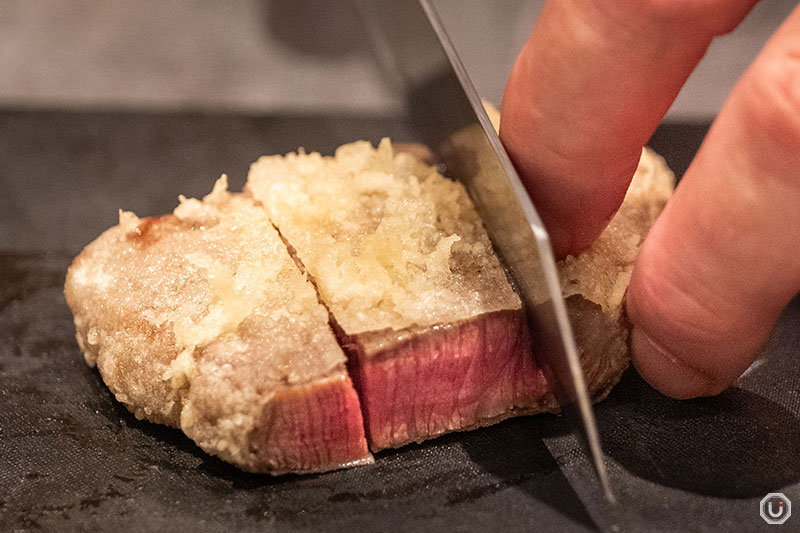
[[201, 320]]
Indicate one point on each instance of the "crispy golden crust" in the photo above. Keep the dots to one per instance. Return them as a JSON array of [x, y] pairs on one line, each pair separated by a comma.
[[389, 241], [595, 282]]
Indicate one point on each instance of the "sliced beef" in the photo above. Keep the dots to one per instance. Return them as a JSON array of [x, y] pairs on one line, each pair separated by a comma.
[[433, 330], [432, 327], [311, 429], [201, 320]]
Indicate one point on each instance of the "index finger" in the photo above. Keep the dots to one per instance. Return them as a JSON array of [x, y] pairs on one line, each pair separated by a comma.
[[586, 93]]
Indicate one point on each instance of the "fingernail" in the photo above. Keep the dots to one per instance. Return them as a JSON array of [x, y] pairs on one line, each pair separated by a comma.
[[663, 371]]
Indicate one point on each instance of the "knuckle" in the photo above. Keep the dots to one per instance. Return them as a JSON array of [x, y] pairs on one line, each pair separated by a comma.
[[685, 301], [684, 304], [671, 310]]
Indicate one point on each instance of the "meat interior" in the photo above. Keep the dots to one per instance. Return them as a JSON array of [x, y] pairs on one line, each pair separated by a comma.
[[424, 381]]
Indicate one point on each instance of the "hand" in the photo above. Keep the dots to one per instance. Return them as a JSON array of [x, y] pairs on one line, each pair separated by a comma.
[[723, 260]]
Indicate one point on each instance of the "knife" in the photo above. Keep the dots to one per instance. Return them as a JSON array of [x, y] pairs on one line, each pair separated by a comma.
[[448, 116]]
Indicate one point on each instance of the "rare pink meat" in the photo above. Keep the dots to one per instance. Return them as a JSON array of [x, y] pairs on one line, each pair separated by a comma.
[[311, 429], [423, 382]]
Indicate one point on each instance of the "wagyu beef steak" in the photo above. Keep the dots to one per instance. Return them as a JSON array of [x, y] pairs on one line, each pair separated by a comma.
[[339, 304]]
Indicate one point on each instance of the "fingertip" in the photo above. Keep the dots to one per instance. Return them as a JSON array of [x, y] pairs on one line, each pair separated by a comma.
[[667, 373], [717, 267], [659, 348]]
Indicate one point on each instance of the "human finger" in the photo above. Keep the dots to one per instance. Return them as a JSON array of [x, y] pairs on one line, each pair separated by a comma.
[[586, 93], [723, 259]]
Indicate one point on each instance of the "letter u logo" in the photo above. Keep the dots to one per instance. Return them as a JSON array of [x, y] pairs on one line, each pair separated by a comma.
[[773, 514]]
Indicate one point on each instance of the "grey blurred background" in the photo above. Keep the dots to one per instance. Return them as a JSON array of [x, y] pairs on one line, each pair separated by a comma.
[[261, 56]]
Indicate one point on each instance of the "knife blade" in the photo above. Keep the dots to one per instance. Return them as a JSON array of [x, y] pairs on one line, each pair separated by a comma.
[[448, 116]]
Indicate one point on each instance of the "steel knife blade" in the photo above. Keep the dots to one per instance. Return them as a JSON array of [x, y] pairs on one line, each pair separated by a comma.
[[447, 115]]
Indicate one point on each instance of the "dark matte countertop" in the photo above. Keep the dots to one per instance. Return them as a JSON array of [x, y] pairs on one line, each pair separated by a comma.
[[72, 458]]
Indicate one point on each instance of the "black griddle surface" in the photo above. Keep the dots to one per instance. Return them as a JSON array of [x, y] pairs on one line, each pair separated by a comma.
[[71, 458]]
